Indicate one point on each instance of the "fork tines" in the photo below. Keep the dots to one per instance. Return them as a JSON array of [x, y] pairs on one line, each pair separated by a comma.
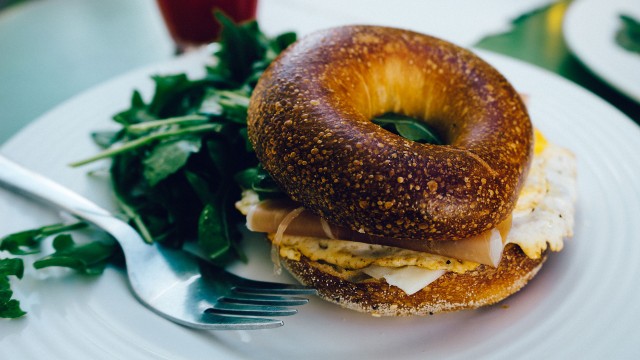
[[265, 287], [250, 310], [272, 300]]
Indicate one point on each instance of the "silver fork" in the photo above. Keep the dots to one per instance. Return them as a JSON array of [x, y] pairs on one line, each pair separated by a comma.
[[174, 284]]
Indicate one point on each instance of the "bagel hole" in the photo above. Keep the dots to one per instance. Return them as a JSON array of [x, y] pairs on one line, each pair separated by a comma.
[[409, 127]]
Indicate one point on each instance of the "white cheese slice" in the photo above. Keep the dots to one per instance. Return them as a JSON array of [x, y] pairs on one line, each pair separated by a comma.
[[410, 279]]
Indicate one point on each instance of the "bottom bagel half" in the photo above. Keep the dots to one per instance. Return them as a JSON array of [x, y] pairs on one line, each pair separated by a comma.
[[484, 285]]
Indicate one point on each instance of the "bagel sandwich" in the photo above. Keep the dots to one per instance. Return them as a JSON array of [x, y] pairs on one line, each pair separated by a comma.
[[385, 225]]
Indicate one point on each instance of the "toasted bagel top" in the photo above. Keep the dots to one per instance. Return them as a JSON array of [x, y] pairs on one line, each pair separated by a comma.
[[310, 124]]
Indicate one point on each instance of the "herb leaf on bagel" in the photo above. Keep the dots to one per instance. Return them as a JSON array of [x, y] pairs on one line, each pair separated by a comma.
[[408, 127]]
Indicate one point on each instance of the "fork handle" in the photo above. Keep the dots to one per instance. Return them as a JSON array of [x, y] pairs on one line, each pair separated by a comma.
[[40, 188]]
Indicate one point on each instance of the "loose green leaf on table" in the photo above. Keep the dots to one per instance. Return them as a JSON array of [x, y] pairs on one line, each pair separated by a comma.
[[28, 241], [9, 307], [90, 258]]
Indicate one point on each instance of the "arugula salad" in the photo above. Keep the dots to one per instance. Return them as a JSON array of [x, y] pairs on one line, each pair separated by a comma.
[[179, 162]]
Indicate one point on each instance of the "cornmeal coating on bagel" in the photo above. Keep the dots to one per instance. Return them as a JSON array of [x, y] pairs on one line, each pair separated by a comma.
[[310, 124]]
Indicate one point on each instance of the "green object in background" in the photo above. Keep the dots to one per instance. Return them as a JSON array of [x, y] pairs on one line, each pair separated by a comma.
[[6, 3], [537, 38], [628, 36]]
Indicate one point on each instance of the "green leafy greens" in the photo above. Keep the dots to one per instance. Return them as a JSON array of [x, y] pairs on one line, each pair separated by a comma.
[[28, 241], [9, 307], [628, 36], [88, 258], [177, 158], [175, 164]]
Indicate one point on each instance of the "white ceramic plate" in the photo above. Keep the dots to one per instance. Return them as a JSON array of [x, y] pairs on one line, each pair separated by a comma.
[[584, 303], [589, 29]]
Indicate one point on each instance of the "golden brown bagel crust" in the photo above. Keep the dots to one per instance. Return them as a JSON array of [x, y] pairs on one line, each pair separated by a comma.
[[480, 287], [309, 122]]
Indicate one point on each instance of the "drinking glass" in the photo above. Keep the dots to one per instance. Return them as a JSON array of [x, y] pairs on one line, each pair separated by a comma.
[[191, 23]]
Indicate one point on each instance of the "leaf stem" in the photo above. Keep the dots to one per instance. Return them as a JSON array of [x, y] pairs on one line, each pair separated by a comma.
[[60, 228], [133, 144], [234, 98], [137, 220], [177, 120]]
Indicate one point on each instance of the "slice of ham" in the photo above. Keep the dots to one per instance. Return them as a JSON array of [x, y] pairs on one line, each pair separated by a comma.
[[284, 217]]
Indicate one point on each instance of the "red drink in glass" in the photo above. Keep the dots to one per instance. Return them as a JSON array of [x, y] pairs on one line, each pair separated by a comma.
[[191, 23]]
